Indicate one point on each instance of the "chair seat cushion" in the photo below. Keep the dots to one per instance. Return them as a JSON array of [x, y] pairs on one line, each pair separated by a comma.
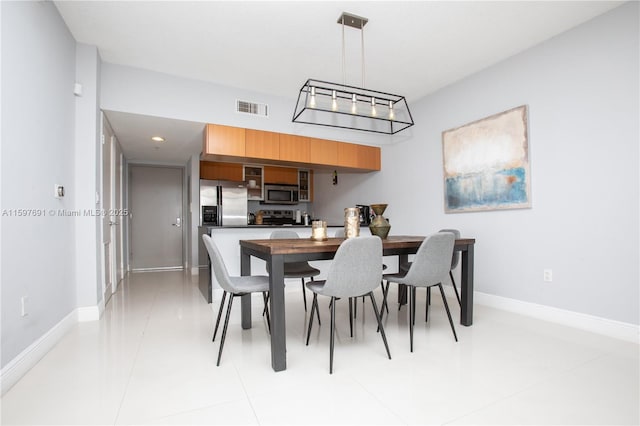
[[251, 284], [300, 270], [395, 278], [315, 286]]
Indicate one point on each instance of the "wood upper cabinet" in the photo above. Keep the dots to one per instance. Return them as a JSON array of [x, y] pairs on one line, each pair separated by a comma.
[[226, 143], [262, 145], [323, 151], [221, 171], [224, 140], [295, 148], [369, 157], [285, 175], [358, 156]]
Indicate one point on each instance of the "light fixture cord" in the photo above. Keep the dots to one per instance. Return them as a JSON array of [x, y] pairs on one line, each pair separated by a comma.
[[344, 73], [362, 42]]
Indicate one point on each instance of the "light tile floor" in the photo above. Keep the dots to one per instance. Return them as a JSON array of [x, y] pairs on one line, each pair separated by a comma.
[[150, 360]]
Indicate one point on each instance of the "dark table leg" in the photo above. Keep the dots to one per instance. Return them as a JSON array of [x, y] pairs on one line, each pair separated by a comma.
[[245, 301], [402, 289], [466, 291], [276, 307]]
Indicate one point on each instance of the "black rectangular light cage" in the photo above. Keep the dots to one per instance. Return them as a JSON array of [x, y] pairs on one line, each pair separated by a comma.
[[349, 107]]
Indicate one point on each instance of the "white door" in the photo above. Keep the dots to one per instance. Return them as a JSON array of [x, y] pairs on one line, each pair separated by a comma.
[[120, 214], [156, 217], [107, 209]]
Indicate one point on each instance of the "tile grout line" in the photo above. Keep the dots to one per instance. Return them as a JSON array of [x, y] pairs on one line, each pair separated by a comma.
[[244, 389], [135, 358]]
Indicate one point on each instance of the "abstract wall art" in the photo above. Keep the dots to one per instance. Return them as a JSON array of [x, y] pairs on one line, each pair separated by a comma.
[[486, 164]]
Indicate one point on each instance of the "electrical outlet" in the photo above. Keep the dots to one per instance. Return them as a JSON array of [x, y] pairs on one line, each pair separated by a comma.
[[23, 306], [548, 275]]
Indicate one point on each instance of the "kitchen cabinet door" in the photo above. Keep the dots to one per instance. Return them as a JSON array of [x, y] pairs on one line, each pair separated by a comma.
[[224, 140], [294, 148], [323, 152], [220, 171], [262, 145], [284, 175], [305, 184], [358, 156]]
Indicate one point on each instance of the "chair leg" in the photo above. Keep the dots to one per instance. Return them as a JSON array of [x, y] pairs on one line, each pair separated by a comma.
[[385, 292], [411, 316], [414, 290], [304, 295], [333, 330], [426, 308], [351, 315], [453, 283], [446, 306], [384, 303], [224, 329], [314, 305], [355, 307], [380, 327], [317, 310], [265, 297], [220, 309], [264, 310]]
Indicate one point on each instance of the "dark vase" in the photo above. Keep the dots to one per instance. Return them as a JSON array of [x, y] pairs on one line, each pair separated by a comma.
[[379, 225]]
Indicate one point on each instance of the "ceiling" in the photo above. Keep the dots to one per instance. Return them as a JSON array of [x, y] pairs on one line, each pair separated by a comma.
[[411, 48]]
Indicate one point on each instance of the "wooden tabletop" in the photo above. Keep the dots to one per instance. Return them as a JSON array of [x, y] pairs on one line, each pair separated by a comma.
[[307, 245]]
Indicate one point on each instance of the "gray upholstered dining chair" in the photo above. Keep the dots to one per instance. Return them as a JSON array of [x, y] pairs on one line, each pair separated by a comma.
[[353, 306], [355, 271], [234, 286], [455, 258], [300, 270], [429, 268]]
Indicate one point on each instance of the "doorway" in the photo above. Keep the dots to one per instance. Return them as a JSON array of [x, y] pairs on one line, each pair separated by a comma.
[[156, 218]]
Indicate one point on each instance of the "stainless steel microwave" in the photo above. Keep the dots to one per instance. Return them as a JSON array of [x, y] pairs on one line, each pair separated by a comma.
[[280, 194]]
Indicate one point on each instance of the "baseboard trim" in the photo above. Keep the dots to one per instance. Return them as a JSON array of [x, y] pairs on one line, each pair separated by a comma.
[[616, 329], [90, 313], [21, 364]]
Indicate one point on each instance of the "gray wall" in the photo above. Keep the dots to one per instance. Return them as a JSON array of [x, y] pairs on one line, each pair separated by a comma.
[[38, 110], [582, 91]]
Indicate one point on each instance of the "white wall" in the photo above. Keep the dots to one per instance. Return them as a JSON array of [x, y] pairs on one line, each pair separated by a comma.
[[38, 107], [582, 91]]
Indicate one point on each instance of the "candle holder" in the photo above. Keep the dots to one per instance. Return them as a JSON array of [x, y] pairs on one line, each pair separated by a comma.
[[351, 222], [319, 230]]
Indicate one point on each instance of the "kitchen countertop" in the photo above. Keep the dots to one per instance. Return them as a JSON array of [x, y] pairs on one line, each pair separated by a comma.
[[267, 226]]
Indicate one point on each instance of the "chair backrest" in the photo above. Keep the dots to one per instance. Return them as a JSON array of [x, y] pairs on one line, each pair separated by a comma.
[[356, 268], [217, 265], [432, 262], [283, 234], [456, 254]]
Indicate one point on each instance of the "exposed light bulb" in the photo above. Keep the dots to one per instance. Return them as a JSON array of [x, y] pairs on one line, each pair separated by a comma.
[[354, 107], [312, 101], [334, 100], [392, 116], [373, 106]]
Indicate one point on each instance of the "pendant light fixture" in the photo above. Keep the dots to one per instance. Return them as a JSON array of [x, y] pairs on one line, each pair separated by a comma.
[[350, 107]]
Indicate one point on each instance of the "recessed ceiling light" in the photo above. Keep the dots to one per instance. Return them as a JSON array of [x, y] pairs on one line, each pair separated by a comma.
[[157, 139]]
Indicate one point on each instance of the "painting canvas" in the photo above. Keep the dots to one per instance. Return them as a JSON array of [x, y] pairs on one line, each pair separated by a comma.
[[486, 164]]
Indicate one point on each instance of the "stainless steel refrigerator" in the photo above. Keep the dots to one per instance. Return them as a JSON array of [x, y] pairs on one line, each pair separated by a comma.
[[223, 203]]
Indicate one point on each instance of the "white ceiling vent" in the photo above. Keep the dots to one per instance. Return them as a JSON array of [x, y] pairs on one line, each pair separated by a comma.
[[246, 107]]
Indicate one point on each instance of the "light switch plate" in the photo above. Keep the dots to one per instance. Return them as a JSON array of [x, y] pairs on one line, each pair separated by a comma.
[[58, 190]]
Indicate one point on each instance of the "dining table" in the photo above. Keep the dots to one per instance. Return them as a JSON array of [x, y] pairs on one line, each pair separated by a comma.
[[278, 251]]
